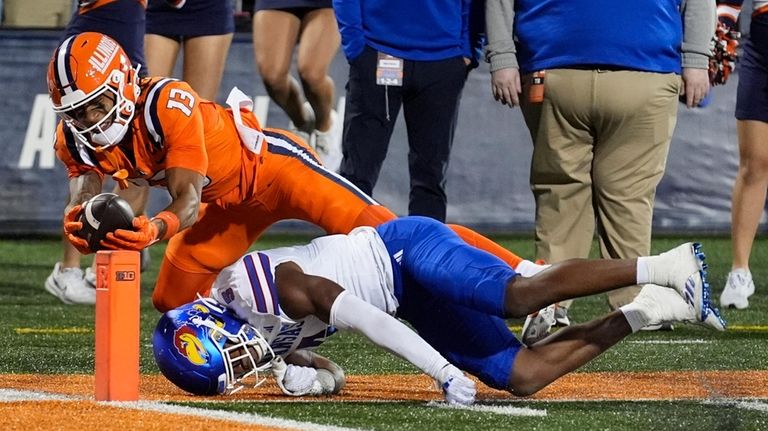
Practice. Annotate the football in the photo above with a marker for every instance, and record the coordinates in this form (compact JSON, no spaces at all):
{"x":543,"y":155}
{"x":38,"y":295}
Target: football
{"x":102,"y":214}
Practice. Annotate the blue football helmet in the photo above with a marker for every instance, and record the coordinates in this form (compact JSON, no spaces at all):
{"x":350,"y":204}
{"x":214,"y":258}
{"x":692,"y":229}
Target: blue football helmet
{"x":203,"y":348}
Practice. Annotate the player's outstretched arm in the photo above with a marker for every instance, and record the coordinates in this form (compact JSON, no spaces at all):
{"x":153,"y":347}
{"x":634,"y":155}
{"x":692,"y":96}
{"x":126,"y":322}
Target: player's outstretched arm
{"x":185,"y":188}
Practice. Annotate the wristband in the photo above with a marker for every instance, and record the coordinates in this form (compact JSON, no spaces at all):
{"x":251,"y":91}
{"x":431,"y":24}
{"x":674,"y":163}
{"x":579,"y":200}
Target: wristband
{"x":171,"y":223}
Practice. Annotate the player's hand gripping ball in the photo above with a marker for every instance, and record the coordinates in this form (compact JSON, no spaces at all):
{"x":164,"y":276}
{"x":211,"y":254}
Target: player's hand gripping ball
{"x":102,"y":214}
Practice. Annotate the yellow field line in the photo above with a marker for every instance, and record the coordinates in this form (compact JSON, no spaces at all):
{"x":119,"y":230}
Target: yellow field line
{"x":73,"y":330}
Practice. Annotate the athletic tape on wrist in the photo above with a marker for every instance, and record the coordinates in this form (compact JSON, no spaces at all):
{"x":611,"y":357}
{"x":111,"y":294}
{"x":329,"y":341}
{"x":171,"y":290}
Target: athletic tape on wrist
{"x":171,"y":223}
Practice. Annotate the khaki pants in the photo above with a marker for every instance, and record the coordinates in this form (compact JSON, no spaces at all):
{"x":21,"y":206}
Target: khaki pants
{"x":601,"y":140}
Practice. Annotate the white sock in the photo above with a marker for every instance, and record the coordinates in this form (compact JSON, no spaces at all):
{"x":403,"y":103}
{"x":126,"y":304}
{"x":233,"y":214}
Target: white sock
{"x":643,"y":270}
{"x":635,"y":316}
{"x":647,"y":270}
{"x":526,"y":268}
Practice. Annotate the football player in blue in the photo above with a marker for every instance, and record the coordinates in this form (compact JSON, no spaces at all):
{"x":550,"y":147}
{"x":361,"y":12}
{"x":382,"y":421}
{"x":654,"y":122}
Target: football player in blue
{"x":273,"y":305}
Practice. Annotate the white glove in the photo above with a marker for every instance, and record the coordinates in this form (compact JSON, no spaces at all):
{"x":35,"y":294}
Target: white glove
{"x":457,"y":388}
{"x":295,"y":380}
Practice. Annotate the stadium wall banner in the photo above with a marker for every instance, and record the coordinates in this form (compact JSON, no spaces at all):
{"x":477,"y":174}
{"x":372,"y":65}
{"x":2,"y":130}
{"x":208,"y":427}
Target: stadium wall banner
{"x":487,"y":179}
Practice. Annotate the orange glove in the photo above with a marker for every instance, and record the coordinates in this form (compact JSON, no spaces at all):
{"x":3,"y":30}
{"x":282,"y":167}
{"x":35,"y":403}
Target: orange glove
{"x":72,"y":226}
{"x":144,"y":234}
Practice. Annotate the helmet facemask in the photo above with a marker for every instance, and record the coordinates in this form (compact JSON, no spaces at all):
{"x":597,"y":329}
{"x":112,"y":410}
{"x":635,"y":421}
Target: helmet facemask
{"x":245,"y":353}
{"x":114,"y":125}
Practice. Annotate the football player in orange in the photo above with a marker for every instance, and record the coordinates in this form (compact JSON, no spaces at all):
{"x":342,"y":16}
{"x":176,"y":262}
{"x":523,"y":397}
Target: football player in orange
{"x":228,"y":178}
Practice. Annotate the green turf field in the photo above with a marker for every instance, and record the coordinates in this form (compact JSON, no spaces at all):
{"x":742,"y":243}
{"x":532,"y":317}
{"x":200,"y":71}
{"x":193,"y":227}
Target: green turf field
{"x":42,"y":335}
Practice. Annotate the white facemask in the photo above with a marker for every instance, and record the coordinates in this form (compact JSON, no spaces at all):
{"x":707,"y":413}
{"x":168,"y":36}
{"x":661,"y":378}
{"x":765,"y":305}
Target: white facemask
{"x":114,"y":134}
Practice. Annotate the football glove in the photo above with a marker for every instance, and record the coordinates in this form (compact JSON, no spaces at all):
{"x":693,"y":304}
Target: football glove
{"x":72,"y":225}
{"x":295,"y":380}
{"x":144,"y":234}
{"x":457,"y":388}
{"x":723,"y":45}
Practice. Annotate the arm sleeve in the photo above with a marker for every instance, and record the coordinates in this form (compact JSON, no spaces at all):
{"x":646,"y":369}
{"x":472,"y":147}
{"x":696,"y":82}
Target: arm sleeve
{"x":698,"y":30}
{"x":352,"y":313}
{"x":499,"y":20}
{"x":349,"y":15}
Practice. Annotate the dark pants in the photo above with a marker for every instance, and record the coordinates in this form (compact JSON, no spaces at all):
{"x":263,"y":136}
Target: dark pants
{"x":430,"y":98}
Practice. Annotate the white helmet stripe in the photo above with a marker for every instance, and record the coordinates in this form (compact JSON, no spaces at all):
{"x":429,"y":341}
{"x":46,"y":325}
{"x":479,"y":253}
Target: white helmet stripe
{"x":149,"y":104}
{"x":62,"y":66}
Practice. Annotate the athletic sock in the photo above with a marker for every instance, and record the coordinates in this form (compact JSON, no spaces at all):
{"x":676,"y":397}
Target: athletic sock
{"x":635,"y":315}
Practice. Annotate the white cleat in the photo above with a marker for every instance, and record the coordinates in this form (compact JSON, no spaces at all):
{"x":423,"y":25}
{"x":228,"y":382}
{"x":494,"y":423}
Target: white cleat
{"x":538,"y":325}
{"x":738,"y":288}
{"x":561,"y":316}
{"x":328,"y":144}
{"x":69,"y":286}
{"x":683,"y":269}
{"x":305,"y":132}
{"x":90,"y":277}
{"x":663,"y":305}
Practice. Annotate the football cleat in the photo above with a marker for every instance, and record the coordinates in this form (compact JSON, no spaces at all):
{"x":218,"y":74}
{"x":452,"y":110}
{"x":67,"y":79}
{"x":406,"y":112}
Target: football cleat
{"x":90,"y":277}
{"x":561,"y":316}
{"x":328,"y":144}
{"x":684,"y":269}
{"x":662,"y":306}
{"x":69,"y":285}
{"x":666,"y":326}
{"x":537,"y":326}
{"x":305,"y":132}
{"x":738,"y":288}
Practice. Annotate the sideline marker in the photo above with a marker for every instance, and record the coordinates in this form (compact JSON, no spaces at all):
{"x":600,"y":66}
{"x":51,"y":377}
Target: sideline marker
{"x":117,"y":325}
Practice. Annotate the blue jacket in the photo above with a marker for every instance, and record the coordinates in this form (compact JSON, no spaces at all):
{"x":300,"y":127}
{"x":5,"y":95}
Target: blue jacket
{"x":420,"y":30}
{"x":638,"y":35}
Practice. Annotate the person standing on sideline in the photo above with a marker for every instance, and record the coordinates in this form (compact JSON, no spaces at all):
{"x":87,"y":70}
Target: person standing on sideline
{"x":749,"y":190}
{"x":396,"y":59}
{"x":202,"y":28}
{"x":601,"y":109}
{"x":124,"y":21}
{"x":278,"y":27}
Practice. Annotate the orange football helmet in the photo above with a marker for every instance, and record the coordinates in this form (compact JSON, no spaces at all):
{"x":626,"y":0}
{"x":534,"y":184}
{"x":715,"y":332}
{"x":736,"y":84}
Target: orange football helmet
{"x":88,"y":70}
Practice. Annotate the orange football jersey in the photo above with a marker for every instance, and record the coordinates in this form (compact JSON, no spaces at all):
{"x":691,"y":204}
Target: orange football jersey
{"x":172,"y":128}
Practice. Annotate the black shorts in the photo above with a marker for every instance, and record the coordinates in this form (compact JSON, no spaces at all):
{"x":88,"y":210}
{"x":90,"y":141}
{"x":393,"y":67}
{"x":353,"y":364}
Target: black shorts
{"x":122,"y":20}
{"x":295,"y":7}
{"x":752,"y":92}
{"x":195,"y":18}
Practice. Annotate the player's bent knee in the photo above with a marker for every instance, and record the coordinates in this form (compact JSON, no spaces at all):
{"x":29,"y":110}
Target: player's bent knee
{"x":522,"y":390}
{"x":176,"y":287}
{"x":516,"y":303}
{"x":374,"y":215}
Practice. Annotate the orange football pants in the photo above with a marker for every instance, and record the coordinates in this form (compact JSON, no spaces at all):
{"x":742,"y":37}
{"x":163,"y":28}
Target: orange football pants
{"x":290,"y":184}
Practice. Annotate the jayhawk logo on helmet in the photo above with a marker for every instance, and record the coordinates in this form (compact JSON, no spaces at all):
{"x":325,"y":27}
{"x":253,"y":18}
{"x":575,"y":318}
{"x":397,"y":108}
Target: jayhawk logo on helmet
{"x":91,"y":68}
{"x":186,"y":342}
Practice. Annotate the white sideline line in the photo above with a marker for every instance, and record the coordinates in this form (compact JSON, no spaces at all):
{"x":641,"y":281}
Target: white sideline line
{"x":742,"y":404}
{"x":695,"y":341}
{"x":499,"y":410}
{"x":243,"y":418}
{"x":14,"y":395}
